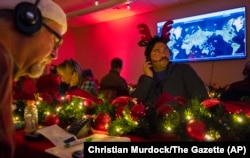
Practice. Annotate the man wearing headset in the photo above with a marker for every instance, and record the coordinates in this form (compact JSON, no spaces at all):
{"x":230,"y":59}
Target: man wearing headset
{"x":162,"y":76}
{"x":31,"y":32}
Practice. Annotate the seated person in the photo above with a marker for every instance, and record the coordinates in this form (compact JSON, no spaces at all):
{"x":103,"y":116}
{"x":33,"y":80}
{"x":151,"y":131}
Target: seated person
{"x":70,"y":72}
{"x":113,"y":81}
{"x":89,"y":83}
{"x":237,"y":90}
{"x":163,"y":77}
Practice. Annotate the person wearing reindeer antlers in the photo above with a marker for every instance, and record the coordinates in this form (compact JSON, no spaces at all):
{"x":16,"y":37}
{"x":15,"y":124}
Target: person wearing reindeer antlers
{"x":161,"y":76}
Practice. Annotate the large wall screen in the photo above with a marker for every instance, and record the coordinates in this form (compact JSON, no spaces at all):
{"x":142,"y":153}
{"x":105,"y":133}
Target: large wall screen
{"x":213,"y":36}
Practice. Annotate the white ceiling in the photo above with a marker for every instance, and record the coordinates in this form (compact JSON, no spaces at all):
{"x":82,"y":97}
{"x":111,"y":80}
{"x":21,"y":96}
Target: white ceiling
{"x":84,"y":12}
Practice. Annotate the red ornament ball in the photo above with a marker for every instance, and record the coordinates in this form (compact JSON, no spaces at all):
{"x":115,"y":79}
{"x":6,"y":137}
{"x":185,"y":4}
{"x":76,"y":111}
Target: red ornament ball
{"x":102,"y":121}
{"x":51,"y":120}
{"x":137,"y":110}
{"x":196,"y":129}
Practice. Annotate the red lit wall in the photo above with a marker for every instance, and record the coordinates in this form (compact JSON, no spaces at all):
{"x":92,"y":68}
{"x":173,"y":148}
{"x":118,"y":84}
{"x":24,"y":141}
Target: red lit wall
{"x":95,"y":45}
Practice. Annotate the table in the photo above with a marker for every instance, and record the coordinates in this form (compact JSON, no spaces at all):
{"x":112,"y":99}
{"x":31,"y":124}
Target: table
{"x":35,"y":149}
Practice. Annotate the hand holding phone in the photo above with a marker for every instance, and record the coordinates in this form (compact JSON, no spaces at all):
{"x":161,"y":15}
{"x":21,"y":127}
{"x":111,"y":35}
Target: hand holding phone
{"x":149,"y":60}
{"x":148,"y":68}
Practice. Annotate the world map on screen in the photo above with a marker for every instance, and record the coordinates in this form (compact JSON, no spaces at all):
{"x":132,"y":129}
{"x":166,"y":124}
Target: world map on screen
{"x":209,"y":38}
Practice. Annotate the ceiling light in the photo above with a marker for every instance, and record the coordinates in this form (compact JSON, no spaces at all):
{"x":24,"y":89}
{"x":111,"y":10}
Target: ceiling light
{"x":96,"y":3}
{"x":99,"y":7}
{"x":128,"y":6}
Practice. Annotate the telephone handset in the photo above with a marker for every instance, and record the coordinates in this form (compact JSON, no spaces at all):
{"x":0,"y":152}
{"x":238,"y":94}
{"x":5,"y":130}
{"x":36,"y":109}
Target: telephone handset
{"x":81,"y":127}
{"x":148,"y":59}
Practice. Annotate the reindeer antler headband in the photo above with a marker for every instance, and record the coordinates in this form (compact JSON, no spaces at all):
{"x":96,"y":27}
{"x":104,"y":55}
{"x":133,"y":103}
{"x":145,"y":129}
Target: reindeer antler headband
{"x":146,"y":35}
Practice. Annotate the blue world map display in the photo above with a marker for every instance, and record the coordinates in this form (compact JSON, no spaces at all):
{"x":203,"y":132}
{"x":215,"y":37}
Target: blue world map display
{"x":213,"y":36}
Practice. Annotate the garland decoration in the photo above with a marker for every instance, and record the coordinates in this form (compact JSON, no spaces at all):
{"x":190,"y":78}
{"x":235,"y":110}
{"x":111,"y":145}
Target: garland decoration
{"x":171,"y":118}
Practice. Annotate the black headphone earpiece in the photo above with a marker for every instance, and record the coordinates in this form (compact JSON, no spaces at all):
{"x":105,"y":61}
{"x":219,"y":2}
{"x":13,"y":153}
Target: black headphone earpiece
{"x":27,"y":18}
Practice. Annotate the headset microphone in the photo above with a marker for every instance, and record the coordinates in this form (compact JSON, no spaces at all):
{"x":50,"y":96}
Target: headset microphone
{"x":27,"y":17}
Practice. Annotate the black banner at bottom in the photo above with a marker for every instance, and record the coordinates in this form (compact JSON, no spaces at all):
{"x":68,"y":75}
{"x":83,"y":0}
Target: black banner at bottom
{"x":165,"y":149}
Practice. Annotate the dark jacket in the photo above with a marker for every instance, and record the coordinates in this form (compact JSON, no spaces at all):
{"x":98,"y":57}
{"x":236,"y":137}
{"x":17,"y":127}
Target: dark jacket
{"x":114,"y":81}
{"x":7,"y":143}
{"x":237,"y":90}
{"x":179,"y":80}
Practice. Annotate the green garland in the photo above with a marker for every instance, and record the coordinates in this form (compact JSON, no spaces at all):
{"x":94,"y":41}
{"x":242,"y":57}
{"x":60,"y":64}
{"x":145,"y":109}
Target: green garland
{"x":72,"y":110}
{"x":219,"y":124}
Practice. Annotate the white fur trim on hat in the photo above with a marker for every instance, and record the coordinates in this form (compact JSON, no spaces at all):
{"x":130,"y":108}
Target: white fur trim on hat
{"x":48,"y":8}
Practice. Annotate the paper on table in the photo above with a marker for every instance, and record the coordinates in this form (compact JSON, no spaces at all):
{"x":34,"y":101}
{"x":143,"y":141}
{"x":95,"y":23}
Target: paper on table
{"x":56,"y":134}
{"x":66,"y":152}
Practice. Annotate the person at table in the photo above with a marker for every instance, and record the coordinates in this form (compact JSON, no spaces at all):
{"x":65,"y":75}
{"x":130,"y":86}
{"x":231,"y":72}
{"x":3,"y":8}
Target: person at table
{"x":236,"y":91}
{"x":114,"y":81}
{"x":89,"y":83}
{"x":30,"y":36}
{"x":162,"y":76}
{"x":70,"y":72}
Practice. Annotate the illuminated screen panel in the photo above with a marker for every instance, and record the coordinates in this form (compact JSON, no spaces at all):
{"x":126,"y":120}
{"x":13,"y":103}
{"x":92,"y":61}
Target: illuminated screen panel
{"x":213,"y":36}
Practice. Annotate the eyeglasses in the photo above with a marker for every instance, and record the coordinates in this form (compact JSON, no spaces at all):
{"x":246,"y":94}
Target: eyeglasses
{"x":59,"y":40}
